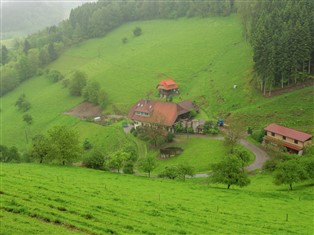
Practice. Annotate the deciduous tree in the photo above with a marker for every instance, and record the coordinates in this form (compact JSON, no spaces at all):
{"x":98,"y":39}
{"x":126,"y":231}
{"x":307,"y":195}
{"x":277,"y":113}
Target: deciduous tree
{"x":137,"y":31}
{"x":22,"y":104}
{"x":185,"y":169}
{"x":9,"y":154}
{"x":91,"y":92}
{"x":232,"y":138}
{"x":41,"y":149}
{"x":229,"y":172}
{"x":117,"y":159}
{"x":65,"y":145}
{"x":289,"y":172}
{"x":77,"y":83}
{"x":148,"y":164}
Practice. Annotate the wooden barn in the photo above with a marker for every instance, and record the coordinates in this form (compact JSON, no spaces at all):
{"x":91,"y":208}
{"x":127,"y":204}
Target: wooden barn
{"x":293,"y":140}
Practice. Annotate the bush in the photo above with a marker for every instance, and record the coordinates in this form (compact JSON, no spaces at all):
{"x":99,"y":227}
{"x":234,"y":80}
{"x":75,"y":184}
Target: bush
{"x":210,"y":128}
{"x":258,"y":136}
{"x":193,"y":114}
{"x":190,"y":130}
{"x":134,"y":132}
{"x":170,"y":172}
{"x":94,"y":160}
{"x":137,"y":31}
{"x":26,"y":157}
{"x":250,"y":130}
{"x":22,"y":104}
{"x":270,"y":165}
{"x":169,"y":137}
{"x":179,"y":128}
{"x":87,"y":145}
{"x":54,"y":76}
{"x":124,"y":40}
{"x":128,"y":167}
{"x":9,"y":154}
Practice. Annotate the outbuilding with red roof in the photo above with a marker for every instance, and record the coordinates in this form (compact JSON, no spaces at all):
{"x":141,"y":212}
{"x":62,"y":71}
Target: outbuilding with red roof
{"x":167,"y":87}
{"x":293,"y":140}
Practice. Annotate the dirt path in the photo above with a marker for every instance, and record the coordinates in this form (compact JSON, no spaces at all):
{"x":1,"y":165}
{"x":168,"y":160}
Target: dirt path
{"x":289,"y":88}
{"x":260,"y":155}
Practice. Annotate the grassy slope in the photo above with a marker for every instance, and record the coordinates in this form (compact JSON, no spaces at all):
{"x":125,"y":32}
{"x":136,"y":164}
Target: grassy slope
{"x":66,"y":200}
{"x":49,"y":101}
{"x":205,"y":56}
{"x":182,"y":49}
{"x":294,"y":109}
{"x":198,"y":153}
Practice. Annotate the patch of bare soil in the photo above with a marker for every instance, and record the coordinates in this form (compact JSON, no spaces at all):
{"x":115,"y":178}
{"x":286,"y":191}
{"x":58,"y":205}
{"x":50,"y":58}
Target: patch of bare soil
{"x":85,"y":110}
{"x":289,"y":88}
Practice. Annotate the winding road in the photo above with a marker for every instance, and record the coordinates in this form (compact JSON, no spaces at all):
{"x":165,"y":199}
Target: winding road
{"x":260,"y":155}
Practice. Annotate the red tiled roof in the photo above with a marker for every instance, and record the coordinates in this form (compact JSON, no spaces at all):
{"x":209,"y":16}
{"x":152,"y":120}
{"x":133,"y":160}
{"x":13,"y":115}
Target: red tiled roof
{"x":164,"y":113}
{"x":291,"y":133}
{"x":168,"y":84}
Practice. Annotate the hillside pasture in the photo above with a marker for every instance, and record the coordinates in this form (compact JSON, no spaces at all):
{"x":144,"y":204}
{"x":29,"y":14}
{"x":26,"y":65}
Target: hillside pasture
{"x":71,"y":200}
{"x":293,"y":109}
{"x":197,"y":152}
{"x":49,"y":101}
{"x":206,"y":57}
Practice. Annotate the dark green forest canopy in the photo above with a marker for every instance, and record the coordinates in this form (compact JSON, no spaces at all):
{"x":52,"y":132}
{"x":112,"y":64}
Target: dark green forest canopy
{"x":282,"y":36}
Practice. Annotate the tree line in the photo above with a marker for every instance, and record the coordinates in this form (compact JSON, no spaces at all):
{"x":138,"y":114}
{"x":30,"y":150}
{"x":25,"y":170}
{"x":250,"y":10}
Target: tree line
{"x":281,"y":33}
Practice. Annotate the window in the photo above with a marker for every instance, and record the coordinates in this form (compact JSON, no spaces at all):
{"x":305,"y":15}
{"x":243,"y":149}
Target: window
{"x":141,"y":113}
{"x":296,"y":142}
{"x":284,"y":137}
{"x":272,"y":134}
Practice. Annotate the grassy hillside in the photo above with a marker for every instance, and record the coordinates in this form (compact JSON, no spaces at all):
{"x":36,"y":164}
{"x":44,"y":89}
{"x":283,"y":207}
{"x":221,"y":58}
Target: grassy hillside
{"x":69,"y":200}
{"x":49,"y":102}
{"x":294,"y":109}
{"x":205,"y":56}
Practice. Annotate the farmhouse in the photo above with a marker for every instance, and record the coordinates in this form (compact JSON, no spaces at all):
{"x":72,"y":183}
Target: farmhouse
{"x":152,"y":112}
{"x":167,"y":87}
{"x":293,"y":140}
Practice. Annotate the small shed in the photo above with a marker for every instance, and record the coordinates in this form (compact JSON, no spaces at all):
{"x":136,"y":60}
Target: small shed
{"x":167,"y":87}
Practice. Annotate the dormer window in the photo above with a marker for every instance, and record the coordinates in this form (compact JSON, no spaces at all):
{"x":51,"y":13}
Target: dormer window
{"x":142,"y":113}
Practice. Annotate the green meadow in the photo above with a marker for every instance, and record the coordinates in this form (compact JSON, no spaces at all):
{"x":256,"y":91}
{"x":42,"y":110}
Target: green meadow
{"x":198,"y":153}
{"x":46,"y":199}
{"x":293,"y":109}
{"x":206,"y":57}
